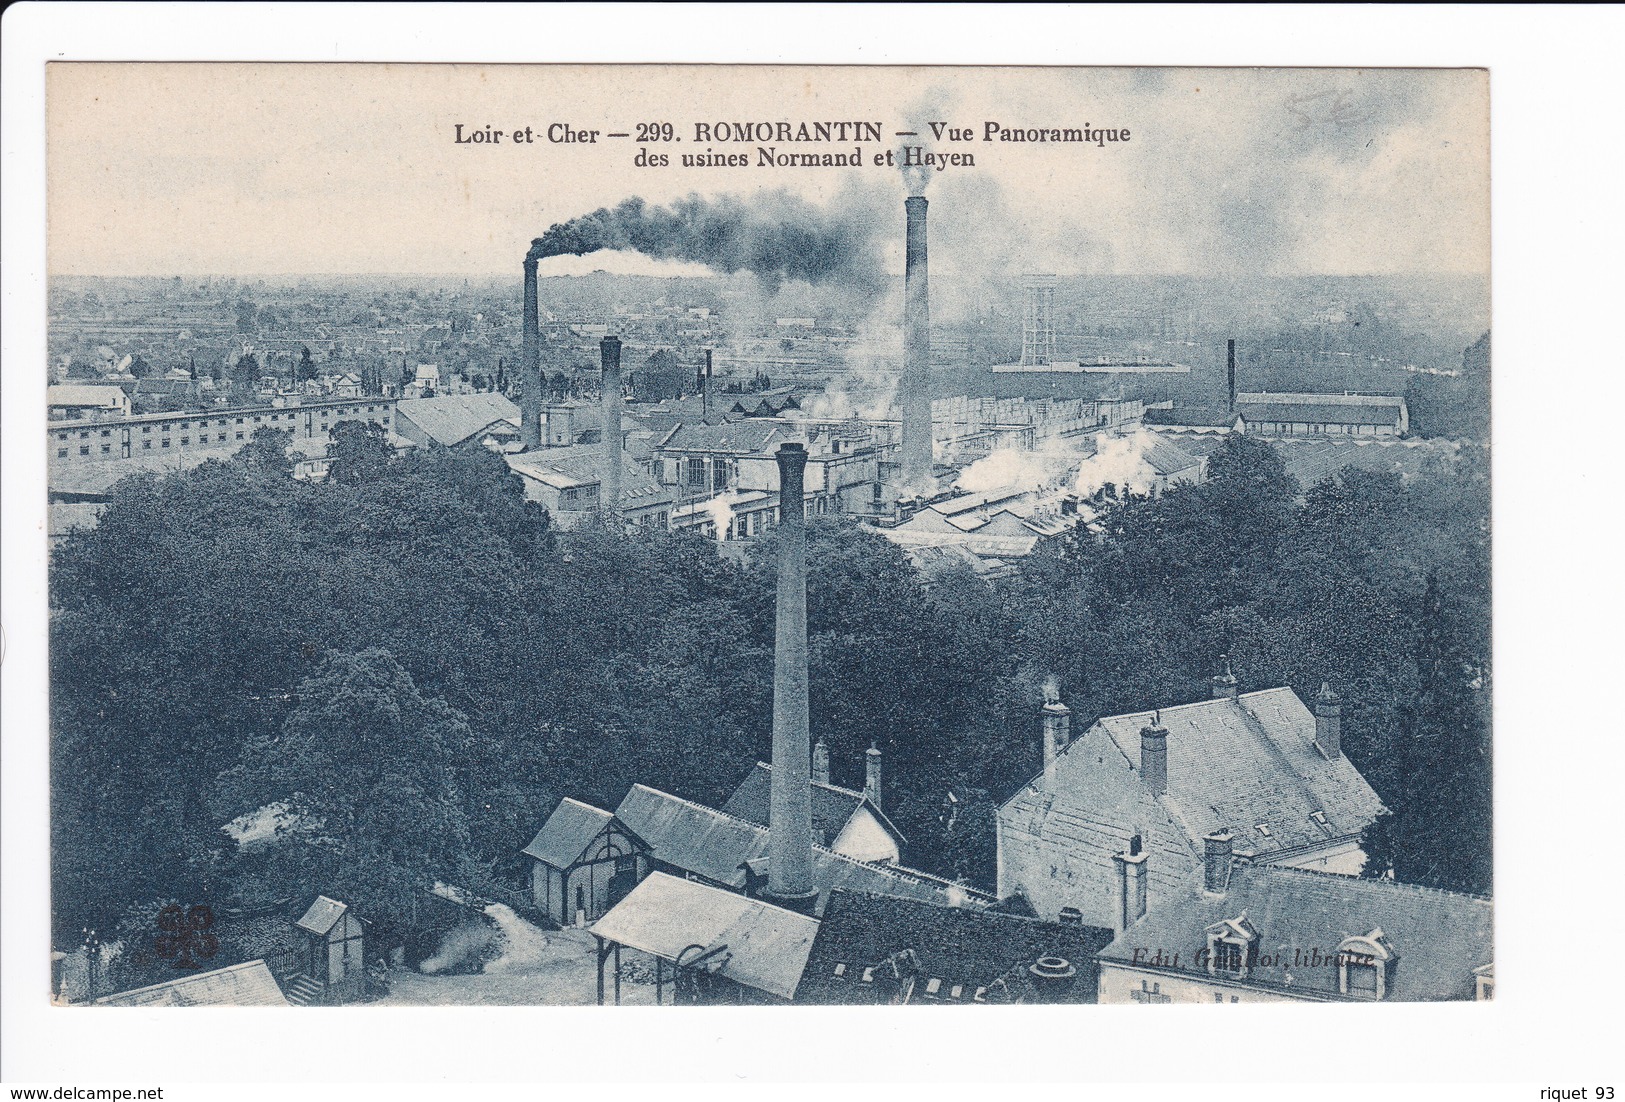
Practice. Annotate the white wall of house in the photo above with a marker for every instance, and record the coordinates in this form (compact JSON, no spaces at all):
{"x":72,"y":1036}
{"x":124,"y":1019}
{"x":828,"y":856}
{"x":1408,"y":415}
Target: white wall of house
{"x":1126,"y":984}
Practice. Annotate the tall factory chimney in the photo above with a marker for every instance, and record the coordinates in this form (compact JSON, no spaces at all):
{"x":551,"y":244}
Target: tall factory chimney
{"x":530,"y":430}
{"x":609,"y":494}
{"x":789,"y":846}
{"x":916,"y":396}
{"x":1231,"y":373}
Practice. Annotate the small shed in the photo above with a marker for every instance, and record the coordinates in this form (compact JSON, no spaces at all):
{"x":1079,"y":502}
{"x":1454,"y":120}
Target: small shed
{"x":329,"y":946}
{"x":584,"y":861}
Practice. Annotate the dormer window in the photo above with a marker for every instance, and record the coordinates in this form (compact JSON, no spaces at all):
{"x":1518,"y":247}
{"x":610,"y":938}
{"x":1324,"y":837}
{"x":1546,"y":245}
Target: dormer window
{"x":1366,"y":966}
{"x":1263,"y":828}
{"x":1232,"y":946}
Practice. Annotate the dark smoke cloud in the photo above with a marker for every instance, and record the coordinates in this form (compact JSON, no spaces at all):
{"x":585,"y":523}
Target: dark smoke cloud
{"x":776,"y":236}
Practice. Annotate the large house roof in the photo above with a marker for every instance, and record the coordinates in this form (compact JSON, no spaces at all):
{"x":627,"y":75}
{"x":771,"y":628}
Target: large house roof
{"x":1247,"y":763}
{"x":964,"y":951}
{"x":1440,"y":937}
{"x":450,"y":419}
{"x":832,"y":807}
{"x":1313,"y":459}
{"x":745,"y":940}
{"x":568,"y":831}
{"x":721,"y":848}
{"x":1232,"y":764}
{"x":1192,"y":416}
{"x":247,"y":984}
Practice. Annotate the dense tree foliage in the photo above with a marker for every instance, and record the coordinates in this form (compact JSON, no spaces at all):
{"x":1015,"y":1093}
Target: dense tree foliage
{"x":414,"y":658}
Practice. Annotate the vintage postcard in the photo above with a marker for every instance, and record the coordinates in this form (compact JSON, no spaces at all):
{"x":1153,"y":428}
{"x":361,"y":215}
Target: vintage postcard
{"x":568,"y":535}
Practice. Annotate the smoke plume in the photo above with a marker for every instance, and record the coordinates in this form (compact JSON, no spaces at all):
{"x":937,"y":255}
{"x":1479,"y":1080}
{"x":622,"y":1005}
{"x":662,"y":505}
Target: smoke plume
{"x":1119,"y":461}
{"x":777,"y":236}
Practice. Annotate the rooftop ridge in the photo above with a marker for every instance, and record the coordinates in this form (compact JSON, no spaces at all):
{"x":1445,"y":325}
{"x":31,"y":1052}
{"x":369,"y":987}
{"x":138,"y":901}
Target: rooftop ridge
{"x":897,"y":871}
{"x":1372,"y":882}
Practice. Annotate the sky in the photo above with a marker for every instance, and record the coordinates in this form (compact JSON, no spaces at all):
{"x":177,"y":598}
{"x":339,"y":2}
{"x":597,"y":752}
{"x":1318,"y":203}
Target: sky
{"x":270,"y":169}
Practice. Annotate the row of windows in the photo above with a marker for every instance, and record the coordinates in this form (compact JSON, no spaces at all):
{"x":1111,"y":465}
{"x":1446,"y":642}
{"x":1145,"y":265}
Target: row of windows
{"x":291,"y":416}
{"x":202,"y":439}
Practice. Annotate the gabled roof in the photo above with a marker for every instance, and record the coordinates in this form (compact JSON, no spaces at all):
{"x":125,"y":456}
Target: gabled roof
{"x":733,"y":437}
{"x":453,"y":418}
{"x":1232,"y":764}
{"x":322,"y":916}
{"x":745,"y":940}
{"x":832,"y":807}
{"x":247,"y":984}
{"x":959,"y":947}
{"x":564,"y":838}
{"x":1167,"y":458}
{"x":1238,"y":764}
{"x":583,"y":465}
{"x":76,"y":394}
{"x":1440,"y":937}
{"x":718,"y":846}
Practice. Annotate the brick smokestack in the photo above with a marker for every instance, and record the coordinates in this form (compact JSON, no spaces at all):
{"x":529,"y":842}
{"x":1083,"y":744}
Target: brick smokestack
{"x":1154,"y":756}
{"x":1230,"y":373}
{"x":1057,"y":721}
{"x":789,"y":852}
{"x":1216,"y":849}
{"x":1328,"y":722}
{"x":530,"y":431}
{"x":1131,"y":886}
{"x":872,"y":776}
{"x":1224,"y":682}
{"x":820,"y":762}
{"x":609,"y":493}
{"x":916,"y":389}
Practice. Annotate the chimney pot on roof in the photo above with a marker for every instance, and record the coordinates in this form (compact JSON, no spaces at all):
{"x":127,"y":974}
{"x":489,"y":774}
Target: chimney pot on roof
{"x":1154,"y":757}
{"x":871,"y":775}
{"x":1131,"y":887}
{"x":1328,"y":722}
{"x":1216,"y":850}
{"x":820,"y":761}
{"x":1224,"y":682}
{"x":1057,"y":721}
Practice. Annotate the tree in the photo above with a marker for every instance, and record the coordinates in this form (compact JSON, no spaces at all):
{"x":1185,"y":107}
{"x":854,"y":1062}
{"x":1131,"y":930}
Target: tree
{"x":368,"y":769}
{"x":661,"y":377}
{"x":266,"y":452}
{"x":245,"y":377}
{"x":247,"y":316}
{"x":359,"y":451}
{"x":307,"y":367}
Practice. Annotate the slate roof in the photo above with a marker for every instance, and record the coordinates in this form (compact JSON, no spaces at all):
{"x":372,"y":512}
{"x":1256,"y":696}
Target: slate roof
{"x":567,"y":833}
{"x":1331,"y":409}
{"x":967,"y":949}
{"x":453,"y":418}
{"x":1315,"y":459}
{"x":322,"y":916}
{"x":247,"y":984}
{"x":1167,"y":458}
{"x":1231,"y":764}
{"x":734,"y":437}
{"x":1440,"y":937}
{"x":750,"y":942}
{"x":583,"y":465}
{"x":99,"y":478}
{"x":1193,"y":416}
{"x":718,"y":846}
{"x":1239,"y":763}
{"x":832,"y":807}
